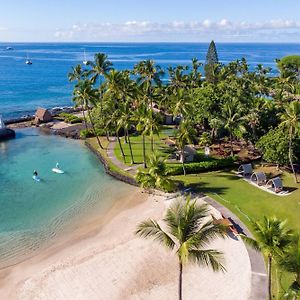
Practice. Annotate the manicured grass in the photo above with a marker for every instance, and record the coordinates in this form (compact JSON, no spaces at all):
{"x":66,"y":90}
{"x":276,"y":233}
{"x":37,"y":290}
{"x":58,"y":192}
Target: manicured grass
{"x":246,"y":200}
{"x":137,"y":148}
{"x":250,"y":202}
{"x":104,"y":142}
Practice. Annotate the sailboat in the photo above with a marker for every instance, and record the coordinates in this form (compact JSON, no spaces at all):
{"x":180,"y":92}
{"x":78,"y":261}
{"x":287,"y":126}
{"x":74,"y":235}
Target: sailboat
{"x":28,"y":61}
{"x":85,"y":62}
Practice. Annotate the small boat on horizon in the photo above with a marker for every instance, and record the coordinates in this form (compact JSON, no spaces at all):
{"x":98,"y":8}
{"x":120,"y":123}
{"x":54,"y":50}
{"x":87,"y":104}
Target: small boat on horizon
{"x":85,"y":61}
{"x":28,"y":61}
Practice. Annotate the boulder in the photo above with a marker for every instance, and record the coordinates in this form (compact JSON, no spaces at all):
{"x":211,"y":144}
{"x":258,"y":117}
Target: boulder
{"x":6,"y":133}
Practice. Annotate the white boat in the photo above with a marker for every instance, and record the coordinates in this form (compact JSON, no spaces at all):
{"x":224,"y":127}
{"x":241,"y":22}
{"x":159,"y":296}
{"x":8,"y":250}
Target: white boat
{"x":28,"y":61}
{"x":85,"y":61}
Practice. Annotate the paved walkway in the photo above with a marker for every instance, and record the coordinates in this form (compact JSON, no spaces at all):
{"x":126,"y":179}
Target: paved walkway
{"x":258,"y":269}
{"x":111,"y":155}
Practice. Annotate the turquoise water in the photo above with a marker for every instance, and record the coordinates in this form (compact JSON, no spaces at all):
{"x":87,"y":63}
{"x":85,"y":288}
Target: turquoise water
{"x":33,"y":213}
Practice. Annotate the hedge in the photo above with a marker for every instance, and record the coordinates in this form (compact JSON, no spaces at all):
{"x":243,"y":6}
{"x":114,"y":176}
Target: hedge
{"x":203,"y":166}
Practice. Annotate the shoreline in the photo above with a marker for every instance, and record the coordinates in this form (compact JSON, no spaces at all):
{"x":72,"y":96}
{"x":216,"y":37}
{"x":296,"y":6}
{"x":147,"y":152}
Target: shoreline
{"x":106,"y":258}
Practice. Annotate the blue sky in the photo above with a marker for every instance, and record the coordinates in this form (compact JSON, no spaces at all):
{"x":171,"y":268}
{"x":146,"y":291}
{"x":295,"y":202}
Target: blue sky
{"x":151,"y":20}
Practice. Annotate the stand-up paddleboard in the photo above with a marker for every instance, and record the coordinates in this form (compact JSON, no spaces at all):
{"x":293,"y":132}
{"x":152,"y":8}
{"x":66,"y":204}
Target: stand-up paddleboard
{"x":58,"y":171}
{"x":36,"y":178}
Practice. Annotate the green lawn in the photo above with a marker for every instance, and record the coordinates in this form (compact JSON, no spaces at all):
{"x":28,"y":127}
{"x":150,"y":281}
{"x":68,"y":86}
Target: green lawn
{"x":246,"y":200}
{"x":104,"y":142}
{"x":249,"y":202}
{"x":137,"y":148}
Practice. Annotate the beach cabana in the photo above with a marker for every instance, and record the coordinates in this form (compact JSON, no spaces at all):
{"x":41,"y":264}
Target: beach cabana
{"x":259,"y":178}
{"x":42,"y":115}
{"x":275,"y":184}
{"x":245,"y":169}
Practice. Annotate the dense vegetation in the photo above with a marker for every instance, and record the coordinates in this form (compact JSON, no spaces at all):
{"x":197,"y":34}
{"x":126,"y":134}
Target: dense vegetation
{"x":233,"y":106}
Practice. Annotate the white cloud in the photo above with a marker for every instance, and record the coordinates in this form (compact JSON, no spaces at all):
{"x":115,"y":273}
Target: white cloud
{"x":178,"y":30}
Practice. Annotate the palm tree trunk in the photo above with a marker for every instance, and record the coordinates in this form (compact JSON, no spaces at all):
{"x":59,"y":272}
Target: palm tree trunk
{"x":107,"y":135}
{"x":182,"y":161}
{"x":152,"y":143}
{"x":84,"y":118}
{"x":129,"y":143}
{"x":120,"y":145}
{"x":291,"y":157}
{"x":93,"y":127}
{"x":180,"y":282}
{"x":231,"y":144}
{"x":144,"y":152}
{"x":270,"y":277}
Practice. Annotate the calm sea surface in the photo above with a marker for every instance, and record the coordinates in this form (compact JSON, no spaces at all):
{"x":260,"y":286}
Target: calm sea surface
{"x":44,"y":83}
{"x":33,"y":214}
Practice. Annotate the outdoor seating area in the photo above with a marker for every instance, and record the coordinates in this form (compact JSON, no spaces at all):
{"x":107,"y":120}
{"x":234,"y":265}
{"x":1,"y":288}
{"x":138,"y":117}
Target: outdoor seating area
{"x":259,"y":179}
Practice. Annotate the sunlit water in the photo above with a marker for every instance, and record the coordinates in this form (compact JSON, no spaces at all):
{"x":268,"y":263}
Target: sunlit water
{"x":44,"y":83}
{"x":33,"y":213}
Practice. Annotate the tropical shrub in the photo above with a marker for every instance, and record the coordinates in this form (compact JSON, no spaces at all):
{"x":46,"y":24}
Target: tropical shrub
{"x":86,"y":133}
{"x":203,"y":166}
{"x":69,"y":118}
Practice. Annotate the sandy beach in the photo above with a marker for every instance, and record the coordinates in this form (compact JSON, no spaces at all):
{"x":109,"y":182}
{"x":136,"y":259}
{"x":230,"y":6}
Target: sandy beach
{"x":105,"y":260}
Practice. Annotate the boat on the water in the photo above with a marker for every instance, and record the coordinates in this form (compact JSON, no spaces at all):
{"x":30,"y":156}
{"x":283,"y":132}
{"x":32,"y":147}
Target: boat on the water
{"x":85,"y":61}
{"x":57,"y":169}
{"x":9,"y":48}
{"x":28,"y":61}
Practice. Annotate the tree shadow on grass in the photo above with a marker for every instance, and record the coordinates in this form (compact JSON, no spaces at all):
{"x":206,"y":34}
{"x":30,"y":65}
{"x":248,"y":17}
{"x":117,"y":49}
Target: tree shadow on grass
{"x":204,"y":188}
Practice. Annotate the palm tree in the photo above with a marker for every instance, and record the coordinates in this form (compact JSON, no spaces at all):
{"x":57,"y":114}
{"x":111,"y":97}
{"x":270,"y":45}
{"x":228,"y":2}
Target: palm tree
{"x":140,"y":116}
{"x":189,"y":233}
{"x":125,"y":121}
{"x":99,"y":68}
{"x":76,"y":74}
{"x":85,"y":94}
{"x":290,"y":119}
{"x":182,"y":103}
{"x":232,"y":120}
{"x":290,"y":262}
{"x":156,"y":175}
{"x":184,"y":136}
{"x":272,"y":237}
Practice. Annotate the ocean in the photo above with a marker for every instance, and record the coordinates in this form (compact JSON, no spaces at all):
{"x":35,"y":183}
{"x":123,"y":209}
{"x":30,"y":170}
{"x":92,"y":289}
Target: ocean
{"x":23,"y":87}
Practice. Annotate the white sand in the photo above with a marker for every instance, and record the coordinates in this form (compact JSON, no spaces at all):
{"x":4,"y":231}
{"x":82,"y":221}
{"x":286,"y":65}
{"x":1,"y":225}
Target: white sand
{"x":113,"y":263}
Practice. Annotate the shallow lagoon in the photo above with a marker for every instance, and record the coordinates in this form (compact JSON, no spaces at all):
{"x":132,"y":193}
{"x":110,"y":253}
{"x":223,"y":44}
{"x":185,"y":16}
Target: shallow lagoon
{"x":33,"y":213}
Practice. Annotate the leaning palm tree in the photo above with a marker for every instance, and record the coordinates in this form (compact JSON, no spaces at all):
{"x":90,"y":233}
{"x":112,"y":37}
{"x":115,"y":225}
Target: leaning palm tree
{"x":272,"y":237}
{"x":290,"y":119}
{"x":290,"y":262}
{"x":85,"y":94}
{"x":185,"y":135}
{"x":189,"y":233}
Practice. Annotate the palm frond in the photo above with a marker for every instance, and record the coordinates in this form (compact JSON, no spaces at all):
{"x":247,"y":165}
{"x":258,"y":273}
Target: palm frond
{"x":209,"y":258}
{"x":151,"y":229}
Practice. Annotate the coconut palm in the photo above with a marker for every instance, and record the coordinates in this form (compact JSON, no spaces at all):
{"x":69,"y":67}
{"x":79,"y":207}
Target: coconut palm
{"x":290,"y":119}
{"x":272,"y":237}
{"x":181,"y":103}
{"x":125,"y":121}
{"x":76,"y":74}
{"x":156,"y":174}
{"x":189,"y":234}
{"x":290,"y":262}
{"x":185,"y":135}
{"x":86,"y":95}
{"x":141,"y":116}
{"x":232,"y":120}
